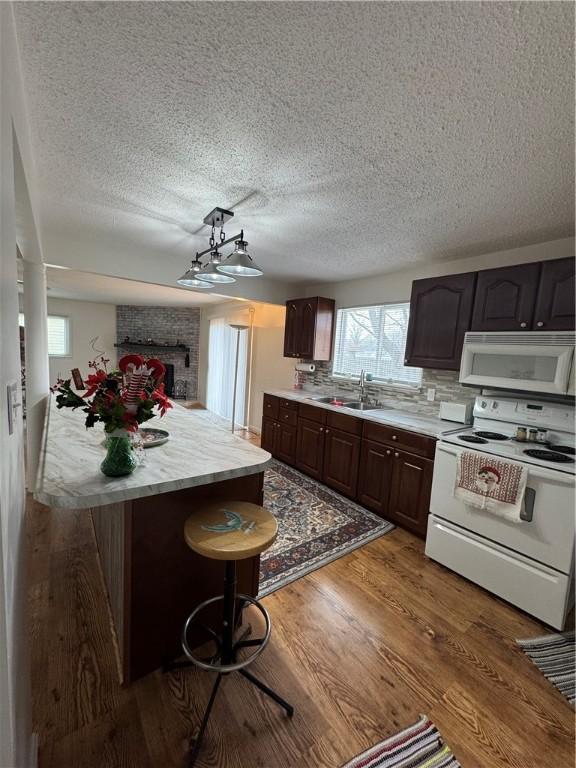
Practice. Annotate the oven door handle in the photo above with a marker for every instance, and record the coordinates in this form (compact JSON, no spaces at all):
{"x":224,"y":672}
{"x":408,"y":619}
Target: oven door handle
{"x":535,"y":471}
{"x":527,"y":513}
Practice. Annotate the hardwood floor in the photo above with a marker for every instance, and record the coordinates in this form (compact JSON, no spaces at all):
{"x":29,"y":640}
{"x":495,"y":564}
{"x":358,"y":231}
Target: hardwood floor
{"x":361,"y":647}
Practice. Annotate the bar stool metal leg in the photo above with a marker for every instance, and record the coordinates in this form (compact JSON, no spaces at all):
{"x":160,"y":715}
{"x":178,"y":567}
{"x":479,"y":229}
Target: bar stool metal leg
{"x":228,"y":651}
{"x":229,"y":611}
{"x":268,"y":691}
{"x":198,"y":741}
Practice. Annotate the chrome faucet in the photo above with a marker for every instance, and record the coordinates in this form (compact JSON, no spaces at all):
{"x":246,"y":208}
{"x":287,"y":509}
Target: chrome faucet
{"x":361,"y":384}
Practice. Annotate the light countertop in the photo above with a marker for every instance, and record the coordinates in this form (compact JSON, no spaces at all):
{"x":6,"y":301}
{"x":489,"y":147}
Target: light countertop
{"x":413,"y":422}
{"x":200,"y":451}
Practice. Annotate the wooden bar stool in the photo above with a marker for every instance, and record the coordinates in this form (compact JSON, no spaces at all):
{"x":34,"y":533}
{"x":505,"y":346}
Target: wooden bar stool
{"x":230,"y":531}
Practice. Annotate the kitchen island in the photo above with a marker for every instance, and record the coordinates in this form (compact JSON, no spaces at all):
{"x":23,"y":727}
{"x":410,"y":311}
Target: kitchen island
{"x":153,"y":579}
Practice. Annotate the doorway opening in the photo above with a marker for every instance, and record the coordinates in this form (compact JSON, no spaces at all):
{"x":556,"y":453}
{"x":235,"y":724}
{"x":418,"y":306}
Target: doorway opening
{"x":222,"y":345}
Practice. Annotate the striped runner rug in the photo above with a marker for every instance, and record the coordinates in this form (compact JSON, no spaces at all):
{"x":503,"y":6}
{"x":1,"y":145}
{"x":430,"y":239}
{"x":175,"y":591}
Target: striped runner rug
{"x":419,"y":746}
{"x":554,"y":656}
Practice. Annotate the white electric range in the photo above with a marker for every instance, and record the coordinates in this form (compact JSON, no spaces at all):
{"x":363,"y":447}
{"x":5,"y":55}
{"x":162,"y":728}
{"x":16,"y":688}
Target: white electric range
{"x":529,"y":563}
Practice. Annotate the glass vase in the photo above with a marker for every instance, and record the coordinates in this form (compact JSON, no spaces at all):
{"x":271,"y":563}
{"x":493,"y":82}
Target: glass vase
{"x":120,"y":458}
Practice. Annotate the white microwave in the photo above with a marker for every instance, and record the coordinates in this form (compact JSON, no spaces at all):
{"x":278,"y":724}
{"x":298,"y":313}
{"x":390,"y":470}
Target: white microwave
{"x":531,"y":361}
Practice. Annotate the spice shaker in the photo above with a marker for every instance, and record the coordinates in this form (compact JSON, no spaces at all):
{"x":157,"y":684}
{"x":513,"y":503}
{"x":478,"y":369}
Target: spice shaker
{"x":533,"y":434}
{"x":542,"y":436}
{"x":521,"y":434}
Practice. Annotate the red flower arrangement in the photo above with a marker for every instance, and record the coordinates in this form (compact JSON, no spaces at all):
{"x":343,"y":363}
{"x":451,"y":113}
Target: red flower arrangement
{"x":120,"y":399}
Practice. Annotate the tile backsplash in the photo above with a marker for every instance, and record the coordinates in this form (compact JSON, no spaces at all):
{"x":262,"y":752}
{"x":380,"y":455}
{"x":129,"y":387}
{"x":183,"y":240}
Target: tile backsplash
{"x":444,"y":382}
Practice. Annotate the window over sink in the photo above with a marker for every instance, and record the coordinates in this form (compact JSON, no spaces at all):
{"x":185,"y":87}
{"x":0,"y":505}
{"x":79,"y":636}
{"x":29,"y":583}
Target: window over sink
{"x":373,"y":339}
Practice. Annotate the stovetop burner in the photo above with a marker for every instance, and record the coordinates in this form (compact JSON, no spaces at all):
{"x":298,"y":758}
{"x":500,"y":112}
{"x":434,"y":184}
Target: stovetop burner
{"x":568,"y":449}
{"x":558,"y":458}
{"x":491,"y":435}
{"x":472,"y":439}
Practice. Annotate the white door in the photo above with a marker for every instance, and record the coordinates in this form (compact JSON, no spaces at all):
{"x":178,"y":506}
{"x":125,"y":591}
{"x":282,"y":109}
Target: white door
{"x":221,"y":364}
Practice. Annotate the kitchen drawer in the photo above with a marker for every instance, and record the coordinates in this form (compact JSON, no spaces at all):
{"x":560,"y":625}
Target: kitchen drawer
{"x":312,"y":413}
{"x":345,"y":423}
{"x":270,"y":407}
{"x":400,"y":438}
{"x":291,"y":405}
{"x":526,"y":583}
{"x":286,"y":415}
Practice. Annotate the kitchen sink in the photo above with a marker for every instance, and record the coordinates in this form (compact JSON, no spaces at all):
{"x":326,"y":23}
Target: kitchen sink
{"x":327,"y":399}
{"x":356,"y":405}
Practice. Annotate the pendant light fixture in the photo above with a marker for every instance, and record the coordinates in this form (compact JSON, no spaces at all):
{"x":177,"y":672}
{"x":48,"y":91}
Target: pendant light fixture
{"x":217,"y":272}
{"x":190,"y":278}
{"x":210,"y":274}
{"x":240,"y":263}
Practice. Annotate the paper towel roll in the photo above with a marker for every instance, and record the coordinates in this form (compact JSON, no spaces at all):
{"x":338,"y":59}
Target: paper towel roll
{"x":306,"y":367}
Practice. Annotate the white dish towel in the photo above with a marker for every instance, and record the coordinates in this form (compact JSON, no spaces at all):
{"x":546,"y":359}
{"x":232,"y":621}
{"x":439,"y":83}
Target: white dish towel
{"x":492,"y":484}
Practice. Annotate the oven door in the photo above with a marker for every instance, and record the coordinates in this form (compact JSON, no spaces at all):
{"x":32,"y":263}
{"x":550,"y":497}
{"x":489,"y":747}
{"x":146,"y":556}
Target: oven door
{"x":522,"y":366}
{"x":549,"y":535}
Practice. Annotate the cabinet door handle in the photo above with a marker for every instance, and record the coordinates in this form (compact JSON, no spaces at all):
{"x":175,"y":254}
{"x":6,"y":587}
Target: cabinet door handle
{"x":396,"y":455}
{"x":522,"y":325}
{"x":539,"y":324}
{"x":327,"y":431}
{"x":321,"y":429}
{"x":394,"y":437}
{"x":388,"y":453}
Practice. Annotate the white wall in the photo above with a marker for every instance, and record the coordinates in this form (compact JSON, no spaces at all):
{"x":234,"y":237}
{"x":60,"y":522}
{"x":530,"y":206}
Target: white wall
{"x":87,"y":320}
{"x":270,"y":369}
{"x":15,"y":718}
{"x":396,"y":286}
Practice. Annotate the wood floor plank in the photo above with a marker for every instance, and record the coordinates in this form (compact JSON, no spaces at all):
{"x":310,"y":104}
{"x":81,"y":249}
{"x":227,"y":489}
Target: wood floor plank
{"x":360,"y":647}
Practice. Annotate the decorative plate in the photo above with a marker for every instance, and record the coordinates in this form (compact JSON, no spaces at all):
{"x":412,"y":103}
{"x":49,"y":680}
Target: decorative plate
{"x":152,"y":437}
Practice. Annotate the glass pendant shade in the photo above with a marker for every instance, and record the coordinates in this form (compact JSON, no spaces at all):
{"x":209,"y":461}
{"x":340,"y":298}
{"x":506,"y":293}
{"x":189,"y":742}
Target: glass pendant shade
{"x":210,"y":273}
{"x":239,"y":263}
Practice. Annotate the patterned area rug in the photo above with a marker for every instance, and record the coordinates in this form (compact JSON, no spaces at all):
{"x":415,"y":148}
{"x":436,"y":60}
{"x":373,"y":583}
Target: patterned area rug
{"x":420,"y":746}
{"x":316,"y":525}
{"x":554,"y":656}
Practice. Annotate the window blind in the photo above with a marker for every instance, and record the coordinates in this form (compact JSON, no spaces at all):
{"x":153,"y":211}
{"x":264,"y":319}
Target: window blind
{"x":58,"y":336}
{"x":374,"y":339}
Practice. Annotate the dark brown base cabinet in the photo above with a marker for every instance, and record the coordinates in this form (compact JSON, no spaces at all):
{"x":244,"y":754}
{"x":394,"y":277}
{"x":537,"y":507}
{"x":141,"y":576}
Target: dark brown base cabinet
{"x":409,"y":502}
{"x":396,"y":485}
{"x":387,"y":470}
{"x":310,"y":448}
{"x":279,"y":439}
{"x":341,"y":461}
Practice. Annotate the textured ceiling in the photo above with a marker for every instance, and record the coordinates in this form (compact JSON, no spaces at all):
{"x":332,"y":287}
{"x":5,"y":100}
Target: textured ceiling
{"x":353,"y":138}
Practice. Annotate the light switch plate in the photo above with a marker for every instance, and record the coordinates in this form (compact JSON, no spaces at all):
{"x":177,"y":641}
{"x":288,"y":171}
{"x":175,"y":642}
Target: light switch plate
{"x":13,"y":404}
{"x":431,"y":394}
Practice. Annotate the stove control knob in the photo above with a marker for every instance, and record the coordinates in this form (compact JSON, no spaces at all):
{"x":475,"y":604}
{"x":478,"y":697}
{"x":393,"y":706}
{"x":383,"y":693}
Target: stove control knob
{"x":483,"y":404}
{"x":494,"y":406}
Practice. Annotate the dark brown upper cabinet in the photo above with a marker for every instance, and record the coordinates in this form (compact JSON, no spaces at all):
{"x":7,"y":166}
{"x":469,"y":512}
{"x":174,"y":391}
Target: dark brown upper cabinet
{"x":440,"y":314}
{"x":555,"y":302}
{"x":505,"y":298}
{"x":309,"y":328}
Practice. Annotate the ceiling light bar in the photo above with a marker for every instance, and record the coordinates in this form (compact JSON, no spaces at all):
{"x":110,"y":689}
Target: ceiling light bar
{"x":238,"y":264}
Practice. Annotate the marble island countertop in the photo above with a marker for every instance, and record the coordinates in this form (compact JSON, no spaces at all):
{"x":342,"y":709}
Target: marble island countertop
{"x":200,"y":451}
{"x":395,"y":417}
